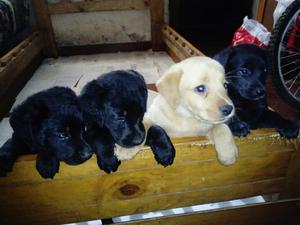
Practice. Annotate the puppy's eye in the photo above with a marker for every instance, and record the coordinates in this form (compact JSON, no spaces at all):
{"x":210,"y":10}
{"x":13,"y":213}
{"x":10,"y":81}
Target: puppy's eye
{"x":63,"y":135}
{"x":200,"y":89}
{"x":226,"y":85}
{"x":244,"y":71}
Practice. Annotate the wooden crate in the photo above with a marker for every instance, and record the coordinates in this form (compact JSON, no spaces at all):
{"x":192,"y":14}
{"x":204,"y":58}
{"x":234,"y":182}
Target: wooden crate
{"x":267,"y":164}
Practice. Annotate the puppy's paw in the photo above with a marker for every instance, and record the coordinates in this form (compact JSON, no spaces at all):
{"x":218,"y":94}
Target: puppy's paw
{"x":290,"y":131}
{"x":161,"y":145}
{"x":109,"y":164}
{"x":228,"y":157}
{"x":227,"y":160}
{"x":6,"y":164}
{"x":164,"y":157}
{"x":47,"y":168}
{"x":240,"y":129}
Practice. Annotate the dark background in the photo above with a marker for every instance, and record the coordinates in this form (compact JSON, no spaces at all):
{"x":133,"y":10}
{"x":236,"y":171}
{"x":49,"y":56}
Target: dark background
{"x":209,"y":25}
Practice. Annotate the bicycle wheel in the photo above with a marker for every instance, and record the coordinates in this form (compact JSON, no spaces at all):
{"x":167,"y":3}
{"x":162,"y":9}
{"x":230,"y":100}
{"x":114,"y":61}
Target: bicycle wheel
{"x":284,"y":52}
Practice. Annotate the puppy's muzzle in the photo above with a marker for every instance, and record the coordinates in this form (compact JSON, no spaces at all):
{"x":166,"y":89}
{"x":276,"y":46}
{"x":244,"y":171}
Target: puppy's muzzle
{"x":86,"y":153}
{"x":80,"y":156}
{"x":226,"y":109}
{"x":138,"y":140}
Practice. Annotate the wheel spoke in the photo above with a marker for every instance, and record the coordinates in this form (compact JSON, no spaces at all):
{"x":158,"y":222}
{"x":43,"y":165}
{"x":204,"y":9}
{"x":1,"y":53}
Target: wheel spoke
{"x":296,"y":92}
{"x":291,"y":55}
{"x":286,"y":48}
{"x":294,"y":80}
{"x":291,"y":71}
{"x":282,"y":66}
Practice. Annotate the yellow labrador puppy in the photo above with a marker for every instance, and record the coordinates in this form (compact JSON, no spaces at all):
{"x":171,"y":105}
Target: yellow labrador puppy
{"x":193,"y":101}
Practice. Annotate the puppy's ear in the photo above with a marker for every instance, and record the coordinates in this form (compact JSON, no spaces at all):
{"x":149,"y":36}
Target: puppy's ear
{"x":168,"y":85}
{"x":27,"y":122}
{"x":223,"y":56}
{"x":91,"y":100}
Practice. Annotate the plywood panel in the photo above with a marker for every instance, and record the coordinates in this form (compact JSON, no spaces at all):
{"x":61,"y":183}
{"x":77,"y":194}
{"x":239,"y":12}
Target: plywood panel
{"x":93,"y":6}
{"x":45,"y":27}
{"x":177,"y":46}
{"x":141,"y":185}
{"x":15,"y":62}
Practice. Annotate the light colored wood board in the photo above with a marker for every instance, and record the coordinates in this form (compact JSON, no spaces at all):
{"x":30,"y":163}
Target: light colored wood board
{"x":188,"y":150}
{"x":93,"y":6}
{"x":259,"y":141}
{"x":275,"y":213}
{"x":13,"y":53}
{"x":19,"y":63}
{"x":44,"y":25}
{"x":58,"y":213}
{"x":89,"y":189}
{"x":172,"y":54}
{"x":292,"y":189}
{"x":182,"y":184}
{"x":173,"y":51}
{"x":176,"y":41}
{"x":157,"y":21}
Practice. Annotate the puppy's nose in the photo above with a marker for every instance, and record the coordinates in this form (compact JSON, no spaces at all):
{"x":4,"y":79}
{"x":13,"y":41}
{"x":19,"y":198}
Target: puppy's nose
{"x":86,"y":153}
{"x":260,"y":92}
{"x":226,"y":109}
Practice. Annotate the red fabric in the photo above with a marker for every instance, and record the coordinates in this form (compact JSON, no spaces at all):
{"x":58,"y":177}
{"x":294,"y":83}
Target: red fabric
{"x":152,"y":87}
{"x":242,"y":36}
{"x":293,"y":43}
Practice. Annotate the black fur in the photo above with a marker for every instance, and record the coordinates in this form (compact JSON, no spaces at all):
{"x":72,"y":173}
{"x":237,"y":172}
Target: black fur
{"x":246,"y":71}
{"x":51,"y":124}
{"x":159,"y":142}
{"x":114,"y":106}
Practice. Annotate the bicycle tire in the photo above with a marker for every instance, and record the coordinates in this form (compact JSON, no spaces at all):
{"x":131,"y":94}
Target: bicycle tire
{"x":274,"y":53}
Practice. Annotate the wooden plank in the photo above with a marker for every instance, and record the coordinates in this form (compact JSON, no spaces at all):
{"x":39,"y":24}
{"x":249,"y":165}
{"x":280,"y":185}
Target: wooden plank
{"x":173,"y":51}
{"x":44,"y":25}
{"x":8,"y":99}
{"x":104,"y":48}
{"x":267,"y":20}
{"x":57,"y":215}
{"x":84,"y":192}
{"x":292,"y":189}
{"x":261,"y":10}
{"x":275,"y":213}
{"x":93,"y":6}
{"x":17,"y":60}
{"x":264,"y":142}
{"x":172,"y":54}
{"x":177,"y":46}
{"x":13,"y":53}
{"x":157,"y":21}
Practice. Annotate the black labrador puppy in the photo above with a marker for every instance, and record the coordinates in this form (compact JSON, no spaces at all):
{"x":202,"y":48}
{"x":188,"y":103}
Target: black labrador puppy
{"x":246,"y":72}
{"x":114,"y":105}
{"x":51,"y":124}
